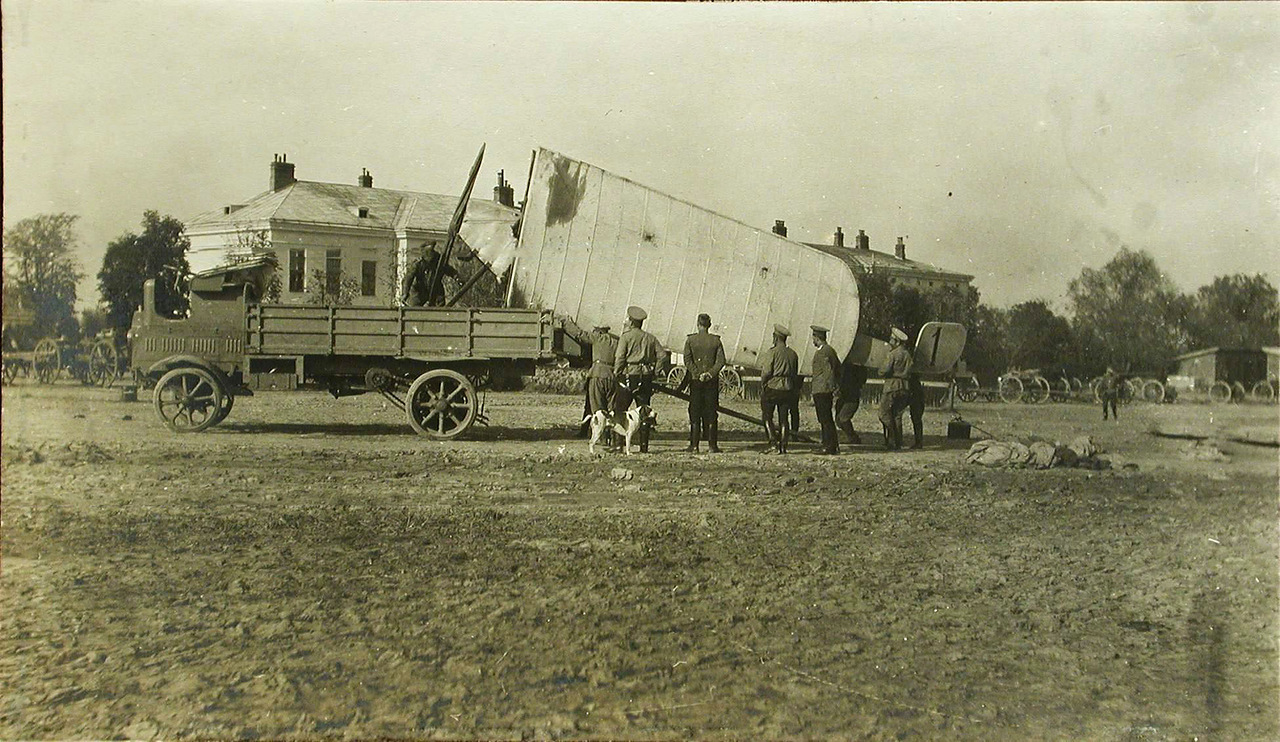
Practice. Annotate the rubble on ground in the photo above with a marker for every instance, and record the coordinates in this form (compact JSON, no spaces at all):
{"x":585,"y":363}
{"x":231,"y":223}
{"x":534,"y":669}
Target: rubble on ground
{"x":1080,"y":453}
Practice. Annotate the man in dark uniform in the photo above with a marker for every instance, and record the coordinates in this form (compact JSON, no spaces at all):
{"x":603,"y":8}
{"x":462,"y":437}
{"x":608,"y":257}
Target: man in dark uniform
{"x":418,"y":290}
{"x":1109,"y":393}
{"x":849,"y":398}
{"x":703,"y":359}
{"x":779,"y":379}
{"x":635,"y":363}
{"x":601,"y":383}
{"x":826,"y":370}
{"x":895,"y":396}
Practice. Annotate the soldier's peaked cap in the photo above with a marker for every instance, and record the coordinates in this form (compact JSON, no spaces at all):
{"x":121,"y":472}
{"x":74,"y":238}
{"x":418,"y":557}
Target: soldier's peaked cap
{"x":600,"y":327}
{"x":900,"y":335}
{"x":819,"y":330}
{"x":637,"y":313}
{"x":781,"y":330}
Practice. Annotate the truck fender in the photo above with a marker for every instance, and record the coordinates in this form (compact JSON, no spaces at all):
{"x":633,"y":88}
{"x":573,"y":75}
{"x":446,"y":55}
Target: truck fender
{"x":164,"y":365}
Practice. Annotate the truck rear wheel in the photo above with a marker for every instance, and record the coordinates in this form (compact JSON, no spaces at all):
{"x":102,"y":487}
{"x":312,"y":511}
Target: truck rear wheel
{"x":189,"y":399}
{"x":441,"y":404}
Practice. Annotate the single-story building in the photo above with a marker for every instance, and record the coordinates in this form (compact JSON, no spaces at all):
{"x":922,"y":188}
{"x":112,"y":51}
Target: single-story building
{"x":1245,"y":365}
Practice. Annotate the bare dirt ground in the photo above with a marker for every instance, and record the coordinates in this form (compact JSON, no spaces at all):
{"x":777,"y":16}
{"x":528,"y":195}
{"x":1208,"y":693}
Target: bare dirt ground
{"x":311,"y":569}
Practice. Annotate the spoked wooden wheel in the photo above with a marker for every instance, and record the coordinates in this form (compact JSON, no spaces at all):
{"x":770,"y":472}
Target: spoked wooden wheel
{"x":189,"y":400}
{"x":104,"y":363}
{"x":967,"y":390}
{"x":675,"y":376}
{"x":441,"y":404}
{"x":47,"y":360}
{"x":1038,"y":390}
{"x":730,"y":383}
{"x":1010,"y":389}
{"x":228,"y":402}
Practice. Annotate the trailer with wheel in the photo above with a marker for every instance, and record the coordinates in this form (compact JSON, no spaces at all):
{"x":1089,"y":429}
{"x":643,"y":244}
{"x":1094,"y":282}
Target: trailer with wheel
{"x":431,"y":362}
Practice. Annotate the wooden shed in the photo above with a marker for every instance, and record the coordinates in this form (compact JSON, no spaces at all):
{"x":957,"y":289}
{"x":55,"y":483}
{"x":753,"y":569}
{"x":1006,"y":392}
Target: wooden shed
{"x":1245,"y":365}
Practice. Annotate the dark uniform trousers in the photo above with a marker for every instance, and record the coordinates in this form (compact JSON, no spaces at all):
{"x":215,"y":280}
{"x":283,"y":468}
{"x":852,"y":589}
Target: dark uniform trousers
{"x":639,"y":389}
{"x":916,"y":408}
{"x":704,"y":401}
{"x":777,"y":401}
{"x":822,"y":402}
{"x":892,"y":405}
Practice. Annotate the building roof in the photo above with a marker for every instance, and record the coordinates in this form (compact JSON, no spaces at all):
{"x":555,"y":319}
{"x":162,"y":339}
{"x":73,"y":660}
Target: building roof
{"x":870,"y":261}
{"x":336,"y":204}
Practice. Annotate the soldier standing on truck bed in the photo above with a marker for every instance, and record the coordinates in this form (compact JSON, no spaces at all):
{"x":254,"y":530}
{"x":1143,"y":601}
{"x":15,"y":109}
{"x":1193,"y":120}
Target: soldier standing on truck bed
{"x":418,"y":290}
{"x":779,"y":380}
{"x":636,"y":361}
{"x":703,"y":360}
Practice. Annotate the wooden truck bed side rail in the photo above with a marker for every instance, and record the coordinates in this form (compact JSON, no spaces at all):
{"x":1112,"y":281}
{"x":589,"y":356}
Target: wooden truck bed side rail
{"x":399,"y":332}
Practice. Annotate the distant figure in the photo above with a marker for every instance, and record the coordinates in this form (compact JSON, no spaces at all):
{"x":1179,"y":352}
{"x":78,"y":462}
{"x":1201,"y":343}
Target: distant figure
{"x":895,"y":396}
{"x":418,"y":290}
{"x":779,"y":372}
{"x":635,"y":363}
{"x":1109,"y":393}
{"x":823,"y":385}
{"x":915,"y":406}
{"x":703,"y":360}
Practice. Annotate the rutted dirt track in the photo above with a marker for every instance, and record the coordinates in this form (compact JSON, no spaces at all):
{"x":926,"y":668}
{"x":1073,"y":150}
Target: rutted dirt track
{"x":310,"y":569}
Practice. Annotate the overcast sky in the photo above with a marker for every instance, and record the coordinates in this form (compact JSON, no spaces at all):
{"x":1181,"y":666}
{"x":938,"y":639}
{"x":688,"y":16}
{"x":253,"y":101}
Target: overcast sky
{"x":1017,"y":142}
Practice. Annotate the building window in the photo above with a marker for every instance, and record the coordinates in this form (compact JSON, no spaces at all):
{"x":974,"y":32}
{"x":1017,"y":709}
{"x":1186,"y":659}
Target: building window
{"x":297,"y":271}
{"x":332,"y":271}
{"x":363,"y":212}
{"x":368,"y":277}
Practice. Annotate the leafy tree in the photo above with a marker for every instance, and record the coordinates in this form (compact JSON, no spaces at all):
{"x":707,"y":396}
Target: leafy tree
{"x":93,"y":321}
{"x":1127,"y":314}
{"x":986,"y":349}
{"x":1235,"y":311}
{"x":336,"y":289}
{"x":954,"y":304}
{"x":1037,"y":337}
{"x":41,"y":271}
{"x":875,"y":316}
{"x":160,"y":252}
{"x":909,"y":310}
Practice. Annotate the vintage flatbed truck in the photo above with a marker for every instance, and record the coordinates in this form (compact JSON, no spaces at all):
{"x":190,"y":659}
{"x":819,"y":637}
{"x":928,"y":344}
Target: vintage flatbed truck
{"x":429,"y":361}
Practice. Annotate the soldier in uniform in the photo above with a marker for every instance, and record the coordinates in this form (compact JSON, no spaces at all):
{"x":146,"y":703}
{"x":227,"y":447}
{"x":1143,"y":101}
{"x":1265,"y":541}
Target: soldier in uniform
{"x":915,"y":407}
{"x":823,"y":384}
{"x":1109,"y":393}
{"x":703,"y":359}
{"x":779,"y":377}
{"x":601,"y":383}
{"x":896,"y":397}
{"x":636,"y":361}
{"x":418,"y":290}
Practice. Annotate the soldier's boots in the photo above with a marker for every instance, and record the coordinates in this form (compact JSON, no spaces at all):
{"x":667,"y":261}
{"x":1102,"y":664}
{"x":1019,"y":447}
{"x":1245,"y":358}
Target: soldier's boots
{"x":713,"y":436}
{"x":850,"y":435}
{"x":694,"y":436}
{"x":919,"y":442}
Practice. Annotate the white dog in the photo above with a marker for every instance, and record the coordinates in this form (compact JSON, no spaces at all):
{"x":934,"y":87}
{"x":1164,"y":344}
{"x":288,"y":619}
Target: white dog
{"x":627,"y":425}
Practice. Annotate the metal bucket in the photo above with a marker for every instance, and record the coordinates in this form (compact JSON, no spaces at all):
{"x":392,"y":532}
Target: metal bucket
{"x":959,"y":429}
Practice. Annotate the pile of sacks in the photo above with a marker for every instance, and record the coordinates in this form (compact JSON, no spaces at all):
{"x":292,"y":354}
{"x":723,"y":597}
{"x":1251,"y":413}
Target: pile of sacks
{"x":1080,"y":453}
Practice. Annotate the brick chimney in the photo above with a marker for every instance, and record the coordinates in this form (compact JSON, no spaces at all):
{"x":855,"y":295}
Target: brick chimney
{"x":838,"y":239}
{"x":366,"y":179}
{"x":503,"y":193}
{"x":862,"y":241}
{"x":900,"y":249}
{"x":780,"y":227}
{"x":281,"y":173}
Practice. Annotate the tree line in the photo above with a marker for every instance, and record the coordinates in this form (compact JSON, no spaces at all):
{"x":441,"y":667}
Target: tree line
{"x":1126,"y":314}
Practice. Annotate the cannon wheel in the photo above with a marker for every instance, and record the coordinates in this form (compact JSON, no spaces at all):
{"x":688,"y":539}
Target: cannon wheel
{"x":676,"y":376}
{"x":10,"y":371}
{"x":1038,"y":390}
{"x":1263,"y":392}
{"x":104,"y":363}
{"x":189,"y":399}
{"x":967,"y":389}
{"x":1010,"y":389}
{"x":1220,"y":391}
{"x":730,"y":383}
{"x":441,"y":404}
{"x":47,"y":361}
{"x":1153,"y":391}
